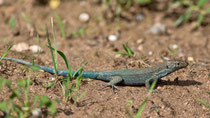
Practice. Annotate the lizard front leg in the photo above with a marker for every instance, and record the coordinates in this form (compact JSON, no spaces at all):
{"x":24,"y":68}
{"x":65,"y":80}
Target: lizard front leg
{"x":147,"y":82}
{"x":114,"y":80}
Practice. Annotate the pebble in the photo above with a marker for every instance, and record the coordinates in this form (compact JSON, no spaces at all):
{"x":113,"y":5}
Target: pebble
{"x":158,"y":29}
{"x":53,"y":78}
{"x":190,"y":59}
{"x":150,"y":52}
{"x":140,"y":48}
{"x":174,"y":46}
{"x":36,"y":112}
{"x":139,"y":17}
{"x":1,"y":2}
{"x":112,"y":37}
{"x":84,"y":17}
{"x":140,"y":41}
{"x":20,"y":47}
{"x":35,"y":48}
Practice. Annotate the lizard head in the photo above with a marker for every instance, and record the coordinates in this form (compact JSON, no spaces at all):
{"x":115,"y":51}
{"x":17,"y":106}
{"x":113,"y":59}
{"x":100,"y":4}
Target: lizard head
{"x":175,"y":65}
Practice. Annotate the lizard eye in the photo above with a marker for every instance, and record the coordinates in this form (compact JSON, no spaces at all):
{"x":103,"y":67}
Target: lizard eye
{"x":178,"y":64}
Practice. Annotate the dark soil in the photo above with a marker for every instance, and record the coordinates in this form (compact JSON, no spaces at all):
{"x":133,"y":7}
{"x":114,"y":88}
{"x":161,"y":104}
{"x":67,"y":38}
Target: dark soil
{"x":178,"y":89}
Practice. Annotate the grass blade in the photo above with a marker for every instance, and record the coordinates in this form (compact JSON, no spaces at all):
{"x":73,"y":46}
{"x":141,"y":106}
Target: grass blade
{"x":172,"y":52}
{"x":61,"y":26}
{"x":51,"y":52}
{"x":5,"y":53}
{"x":201,"y":3}
{"x":143,"y":104}
{"x":206,"y":104}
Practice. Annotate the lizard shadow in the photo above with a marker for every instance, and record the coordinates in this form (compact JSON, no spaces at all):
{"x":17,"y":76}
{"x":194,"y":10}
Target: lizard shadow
{"x":176,"y":82}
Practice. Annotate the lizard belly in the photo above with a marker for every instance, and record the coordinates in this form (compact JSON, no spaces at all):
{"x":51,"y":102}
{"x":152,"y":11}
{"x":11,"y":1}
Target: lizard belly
{"x":133,"y":81}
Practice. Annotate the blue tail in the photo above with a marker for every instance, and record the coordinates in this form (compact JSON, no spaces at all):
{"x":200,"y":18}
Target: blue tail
{"x":85,"y":74}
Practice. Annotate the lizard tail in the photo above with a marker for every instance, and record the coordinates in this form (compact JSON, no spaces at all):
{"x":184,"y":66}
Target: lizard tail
{"x":85,"y":74}
{"x":47,"y":69}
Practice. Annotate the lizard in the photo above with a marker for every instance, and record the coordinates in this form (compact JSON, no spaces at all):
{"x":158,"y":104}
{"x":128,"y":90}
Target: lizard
{"x":131,"y":77}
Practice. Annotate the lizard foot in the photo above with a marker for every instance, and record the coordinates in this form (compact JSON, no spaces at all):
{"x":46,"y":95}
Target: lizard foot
{"x":108,"y":85}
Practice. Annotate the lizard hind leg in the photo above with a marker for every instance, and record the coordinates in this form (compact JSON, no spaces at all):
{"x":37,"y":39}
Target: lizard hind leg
{"x":114,"y":80}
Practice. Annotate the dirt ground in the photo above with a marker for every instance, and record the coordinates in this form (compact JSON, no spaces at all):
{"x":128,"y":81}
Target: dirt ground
{"x":178,"y":89}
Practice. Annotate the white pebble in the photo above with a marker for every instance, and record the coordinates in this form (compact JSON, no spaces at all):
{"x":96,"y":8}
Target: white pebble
{"x":35,"y":48}
{"x":140,"y":41}
{"x":140,"y":48}
{"x":1,"y":2}
{"x":191,"y":59}
{"x":112,"y":37}
{"x":53,"y":78}
{"x":20,"y":47}
{"x":84,"y":17}
{"x":150,"y":53}
{"x":139,"y":17}
{"x":175,"y":46}
{"x":158,"y":29}
{"x":36,"y":112}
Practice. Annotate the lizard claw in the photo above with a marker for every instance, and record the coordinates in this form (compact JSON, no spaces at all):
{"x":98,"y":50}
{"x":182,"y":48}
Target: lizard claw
{"x":108,"y":85}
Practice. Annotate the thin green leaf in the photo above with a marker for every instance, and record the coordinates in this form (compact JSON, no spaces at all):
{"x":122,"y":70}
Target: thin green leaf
{"x":68,"y":94}
{"x":206,"y":104}
{"x":4,"y":82}
{"x":172,"y":52}
{"x":77,"y":86}
{"x":141,"y":108}
{"x":121,"y":53}
{"x":26,"y":18}
{"x":12,"y":23}
{"x":143,"y":104}
{"x":55,"y":45}
{"x":79,"y":70}
{"x":50,"y":84}
{"x":201,"y":3}
{"x":61,"y":26}
{"x":65,"y":59}
{"x":44,"y":101}
{"x":207,"y":10}
{"x":4,"y":107}
{"x":51,"y":52}
{"x":153,"y":86}
{"x":82,"y":95}
{"x":187,"y":14}
{"x":82,"y":30}
{"x":180,"y":20}
{"x":5,"y":53}
{"x":200,"y":19}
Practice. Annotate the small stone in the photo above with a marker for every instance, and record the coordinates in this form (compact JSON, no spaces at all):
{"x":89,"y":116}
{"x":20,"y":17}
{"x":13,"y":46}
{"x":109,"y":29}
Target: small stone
{"x":84,"y":17}
{"x":20,"y":47}
{"x":140,"y":41}
{"x":1,"y":2}
{"x":35,"y":49}
{"x":53,"y":78}
{"x":36,"y":112}
{"x":139,"y":17}
{"x":150,"y":53}
{"x":158,"y":29}
{"x":190,"y":59}
{"x":174,"y":46}
{"x":117,"y":55}
{"x":140,"y":48}
{"x":112,"y":37}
